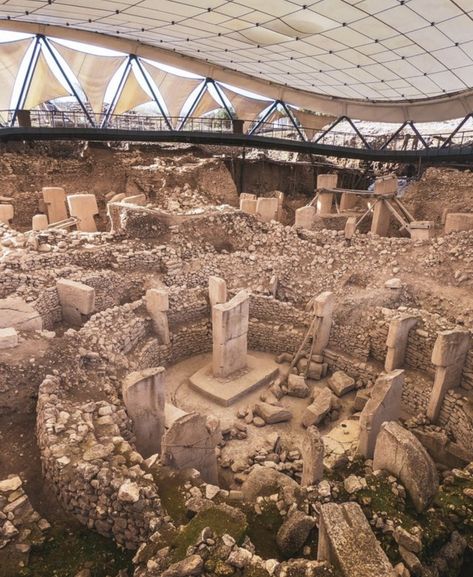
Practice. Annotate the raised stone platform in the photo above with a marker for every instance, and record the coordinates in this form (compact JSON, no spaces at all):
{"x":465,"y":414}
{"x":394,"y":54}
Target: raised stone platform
{"x":226,"y":391}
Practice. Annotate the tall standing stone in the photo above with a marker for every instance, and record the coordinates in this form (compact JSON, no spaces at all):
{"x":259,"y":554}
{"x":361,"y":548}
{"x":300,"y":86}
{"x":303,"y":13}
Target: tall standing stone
{"x":384,"y":405}
{"x":230,"y":335}
{"x":55,"y":200}
{"x":217,"y":291}
{"x":448,"y":356}
{"x":312,"y":456}
{"x":396,"y":341}
{"x":84,"y":208}
{"x":323,"y":309}
{"x":157,"y":305}
{"x":144,"y":398}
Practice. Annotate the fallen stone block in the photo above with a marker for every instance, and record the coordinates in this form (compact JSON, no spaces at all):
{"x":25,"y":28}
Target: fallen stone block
{"x":297,"y":387}
{"x":319,"y":408}
{"x":341,"y":383}
{"x":293,"y":532}
{"x":271,"y":414}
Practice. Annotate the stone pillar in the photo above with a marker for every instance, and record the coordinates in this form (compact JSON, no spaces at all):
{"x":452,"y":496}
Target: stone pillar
{"x":305,"y":217}
{"x":399,"y":452}
{"x":381,"y":218}
{"x":84,"y":208}
{"x":350,"y":227}
{"x":324,"y":203}
{"x":144,"y":398}
{"x":347,"y":201}
{"x":397,"y":341}
{"x":248,"y":206}
{"x":327,"y":181}
{"x":54,"y":198}
{"x":280,"y":196}
{"x":230,"y":335}
{"x":6,"y":213}
{"x":312,"y":451}
{"x":190,"y":443}
{"x":217,"y":291}
{"x":448,"y":356}
{"x":157,"y":305}
{"x":385,"y":185}
{"x":39,"y":222}
{"x":267,"y":209}
{"x":384,"y":405}
{"x":323,"y":308}
{"x":77,"y":299}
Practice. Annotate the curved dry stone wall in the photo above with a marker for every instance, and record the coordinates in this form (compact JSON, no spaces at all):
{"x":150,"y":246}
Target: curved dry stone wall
{"x":96,"y":473}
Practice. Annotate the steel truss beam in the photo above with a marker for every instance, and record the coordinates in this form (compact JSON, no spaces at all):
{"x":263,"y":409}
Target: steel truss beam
{"x":151,"y":89}
{"x":336,"y":123}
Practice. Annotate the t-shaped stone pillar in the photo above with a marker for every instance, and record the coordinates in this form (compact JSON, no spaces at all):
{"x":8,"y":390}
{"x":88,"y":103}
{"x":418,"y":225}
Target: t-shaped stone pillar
{"x":230,"y":335}
{"x":384,"y":405}
{"x":157,"y":305}
{"x":312,"y":451}
{"x":381,"y":218}
{"x":84,"y":208}
{"x":323,"y":309}
{"x":397,"y":341}
{"x":267,"y":208}
{"x":325,"y":199}
{"x":217,"y":290}
{"x":144,"y":398}
{"x":448,"y":356}
{"x":55,"y":200}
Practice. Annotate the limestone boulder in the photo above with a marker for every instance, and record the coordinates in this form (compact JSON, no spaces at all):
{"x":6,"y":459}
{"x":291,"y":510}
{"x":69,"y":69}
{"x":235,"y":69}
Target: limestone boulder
{"x":341,"y":383}
{"x":272,"y":414}
{"x":297,"y":387}
{"x":293,"y":532}
{"x":402,"y":454}
{"x":261,"y":479}
{"x":319,"y":408}
{"x":192,"y":565}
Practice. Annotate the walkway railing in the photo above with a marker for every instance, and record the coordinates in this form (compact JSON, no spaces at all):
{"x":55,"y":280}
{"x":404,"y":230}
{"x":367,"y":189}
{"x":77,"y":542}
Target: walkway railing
{"x":405,"y":140}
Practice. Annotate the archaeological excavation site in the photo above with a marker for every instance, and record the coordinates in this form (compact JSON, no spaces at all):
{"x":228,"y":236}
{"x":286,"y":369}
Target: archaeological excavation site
{"x":236,"y":289}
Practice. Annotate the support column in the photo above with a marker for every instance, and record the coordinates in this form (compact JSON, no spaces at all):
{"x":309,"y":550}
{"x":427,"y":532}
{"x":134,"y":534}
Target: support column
{"x":448,"y":356}
{"x":323,"y":308}
{"x":144,"y":398}
{"x":325,"y":198}
{"x":384,"y":405}
{"x":312,"y":451}
{"x":217,"y":291}
{"x":397,"y":341}
{"x":230,"y":335}
{"x":157,"y":305}
{"x":381,"y":218}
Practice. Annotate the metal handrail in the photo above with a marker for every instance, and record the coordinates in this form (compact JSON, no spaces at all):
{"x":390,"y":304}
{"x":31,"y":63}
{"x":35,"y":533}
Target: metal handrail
{"x":402,"y":141}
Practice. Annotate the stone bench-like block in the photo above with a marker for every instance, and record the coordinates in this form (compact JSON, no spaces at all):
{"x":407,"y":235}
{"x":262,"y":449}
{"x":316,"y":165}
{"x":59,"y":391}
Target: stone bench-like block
{"x":76,"y":299}
{"x":6,"y":213}
{"x":39,"y":222}
{"x":457,"y":221}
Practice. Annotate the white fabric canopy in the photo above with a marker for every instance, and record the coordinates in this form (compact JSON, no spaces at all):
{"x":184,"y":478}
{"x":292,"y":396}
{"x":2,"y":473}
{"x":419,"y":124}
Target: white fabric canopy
{"x":311,"y":122}
{"x":245,"y":107}
{"x":131,"y":96}
{"x":44,"y":85}
{"x":11,"y":56}
{"x":93,"y":72}
{"x":174,"y":89}
{"x":206,"y":103}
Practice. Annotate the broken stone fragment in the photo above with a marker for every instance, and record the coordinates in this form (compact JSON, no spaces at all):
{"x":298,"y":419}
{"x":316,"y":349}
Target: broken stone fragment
{"x":129,"y":492}
{"x":319,"y":408}
{"x":297,"y":387}
{"x":192,"y":565}
{"x":341,"y":383}
{"x":272,"y":414}
{"x":293,"y":532}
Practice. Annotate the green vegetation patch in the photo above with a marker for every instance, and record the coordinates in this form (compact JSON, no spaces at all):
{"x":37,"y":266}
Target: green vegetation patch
{"x":67,"y":551}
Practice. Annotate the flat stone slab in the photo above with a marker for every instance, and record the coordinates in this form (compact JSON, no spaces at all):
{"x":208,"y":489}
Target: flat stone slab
{"x":226,"y":391}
